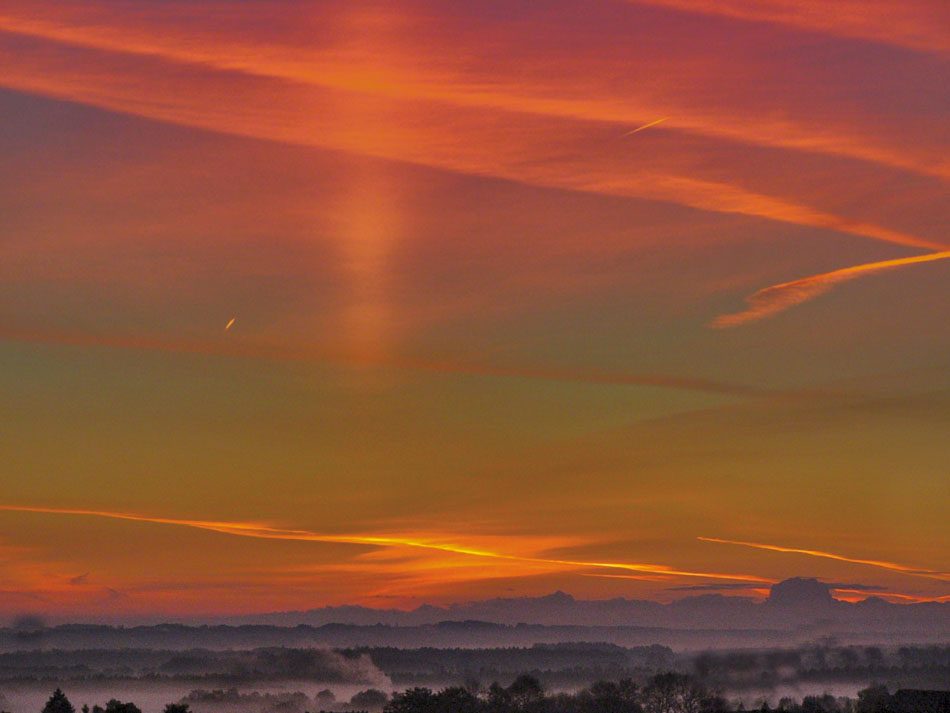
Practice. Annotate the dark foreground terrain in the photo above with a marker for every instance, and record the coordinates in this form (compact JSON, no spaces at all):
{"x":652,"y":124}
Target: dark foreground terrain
{"x":568,"y":677}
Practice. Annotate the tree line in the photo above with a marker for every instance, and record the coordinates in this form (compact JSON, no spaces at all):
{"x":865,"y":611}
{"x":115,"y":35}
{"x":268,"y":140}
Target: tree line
{"x":662,"y":693}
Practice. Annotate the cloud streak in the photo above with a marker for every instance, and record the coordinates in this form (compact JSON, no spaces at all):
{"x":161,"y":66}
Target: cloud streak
{"x":772,"y":300}
{"x":920,"y":25}
{"x":881,"y":564}
{"x":533,"y":141}
{"x":398,"y":70}
{"x":431,"y":543}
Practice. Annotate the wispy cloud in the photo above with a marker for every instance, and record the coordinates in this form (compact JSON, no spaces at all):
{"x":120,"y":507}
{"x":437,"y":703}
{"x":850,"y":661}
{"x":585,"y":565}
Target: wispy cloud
{"x":778,"y":298}
{"x":418,"y":118}
{"x":881,"y":564}
{"x":920,"y":25}
{"x":437,"y":543}
{"x":398,"y":70}
{"x":716,"y":587}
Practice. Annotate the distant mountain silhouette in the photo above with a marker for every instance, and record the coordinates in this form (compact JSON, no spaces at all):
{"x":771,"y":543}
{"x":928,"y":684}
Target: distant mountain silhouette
{"x":798,"y":610}
{"x":793,"y":604}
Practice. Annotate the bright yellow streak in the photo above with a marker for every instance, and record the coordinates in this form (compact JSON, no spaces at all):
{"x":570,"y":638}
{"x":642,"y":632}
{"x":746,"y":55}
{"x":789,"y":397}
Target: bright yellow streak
{"x":646,"y":126}
{"x":892,"y":566}
{"x":264,"y":531}
{"x":778,"y":298}
{"x":229,"y":324}
{"x":913,"y":598}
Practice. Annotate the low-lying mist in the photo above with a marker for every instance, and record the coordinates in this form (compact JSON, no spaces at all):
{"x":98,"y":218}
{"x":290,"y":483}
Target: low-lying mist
{"x":295,"y":680}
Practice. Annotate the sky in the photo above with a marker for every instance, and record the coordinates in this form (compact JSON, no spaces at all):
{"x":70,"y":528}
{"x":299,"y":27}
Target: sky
{"x":321,"y":302}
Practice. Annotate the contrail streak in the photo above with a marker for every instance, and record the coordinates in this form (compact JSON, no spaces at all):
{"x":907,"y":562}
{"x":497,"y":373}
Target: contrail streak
{"x":267,"y":532}
{"x":513,"y":153}
{"x":892,"y":566}
{"x":646,"y":126}
{"x":893,"y":23}
{"x":778,"y":298}
{"x":229,"y":324}
{"x":118,"y":34}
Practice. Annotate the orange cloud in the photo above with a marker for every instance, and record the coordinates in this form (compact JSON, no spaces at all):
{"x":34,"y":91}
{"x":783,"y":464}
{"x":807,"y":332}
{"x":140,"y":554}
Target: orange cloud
{"x":437,"y":543}
{"x":856,"y":595}
{"x":397,"y":106}
{"x":393,"y":60}
{"x":778,"y":298}
{"x":920,"y":25}
{"x":531,"y":149}
{"x":892,"y":566}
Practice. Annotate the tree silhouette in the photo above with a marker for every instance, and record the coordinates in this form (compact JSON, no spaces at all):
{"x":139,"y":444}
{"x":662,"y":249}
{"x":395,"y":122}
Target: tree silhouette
{"x":58,"y":703}
{"x":525,"y":691}
{"x":874,"y":699}
{"x":610,"y":697}
{"x":412,"y":700}
{"x":673,"y":693}
{"x":370,"y":699}
{"x":456,"y":700}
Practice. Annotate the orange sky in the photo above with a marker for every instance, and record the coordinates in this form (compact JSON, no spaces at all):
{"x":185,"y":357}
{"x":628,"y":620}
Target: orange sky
{"x":607,"y":297}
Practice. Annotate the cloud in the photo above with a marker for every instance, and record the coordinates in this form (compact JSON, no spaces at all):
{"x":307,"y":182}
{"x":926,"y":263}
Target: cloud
{"x":915,"y":24}
{"x":724,"y":586}
{"x":857,"y":587}
{"x":775,"y":299}
{"x":259,"y":91}
{"x":396,"y":64}
{"x":892,"y":566}
{"x":434,"y":543}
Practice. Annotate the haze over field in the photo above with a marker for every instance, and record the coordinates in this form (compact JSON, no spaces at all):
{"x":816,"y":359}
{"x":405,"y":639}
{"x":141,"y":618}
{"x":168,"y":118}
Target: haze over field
{"x":338,"y":303}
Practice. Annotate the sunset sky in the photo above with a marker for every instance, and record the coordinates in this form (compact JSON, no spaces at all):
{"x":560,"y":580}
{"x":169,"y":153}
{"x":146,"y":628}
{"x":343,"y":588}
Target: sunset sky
{"x":309,"y":302}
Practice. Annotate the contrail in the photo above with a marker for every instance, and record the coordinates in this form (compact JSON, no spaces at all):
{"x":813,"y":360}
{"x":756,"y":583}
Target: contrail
{"x":268,"y":532}
{"x":120,"y":35}
{"x":646,"y":126}
{"x":892,"y":23}
{"x":229,"y":324}
{"x":120,"y":87}
{"x":892,"y":566}
{"x":778,"y":298}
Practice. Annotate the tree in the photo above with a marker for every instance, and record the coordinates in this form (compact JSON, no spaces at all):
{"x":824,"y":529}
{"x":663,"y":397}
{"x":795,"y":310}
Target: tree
{"x":525,"y":691}
{"x":370,"y":699}
{"x":412,"y":700}
{"x":874,"y":656}
{"x":498,"y":698}
{"x":115,"y":706}
{"x":456,"y":700}
{"x":874,"y":699}
{"x":820,"y":704}
{"x":673,"y":693}
{"x":610,"y":697}
{"x":326,"y":698}
{"x":58,"y":703}
{"x":177,"y":708}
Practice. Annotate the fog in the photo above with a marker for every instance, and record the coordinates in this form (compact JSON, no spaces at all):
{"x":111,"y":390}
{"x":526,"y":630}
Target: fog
{"x":295,"y":680}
